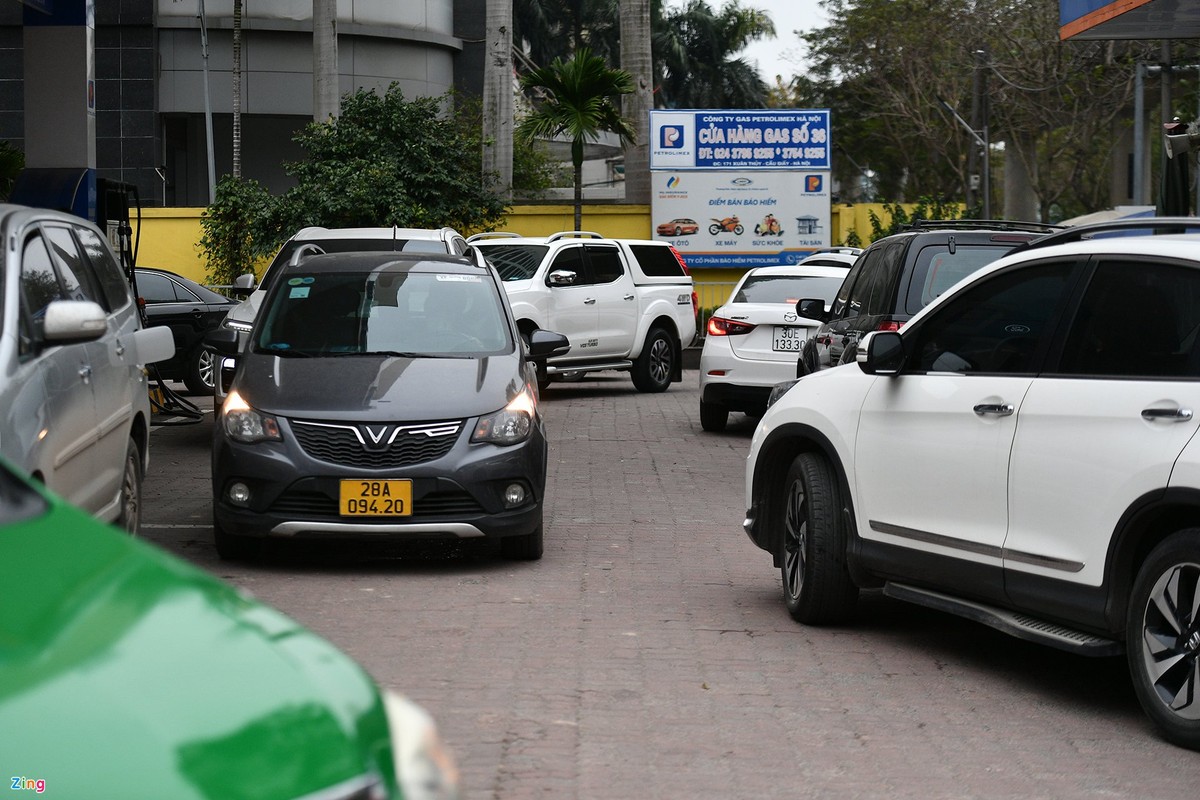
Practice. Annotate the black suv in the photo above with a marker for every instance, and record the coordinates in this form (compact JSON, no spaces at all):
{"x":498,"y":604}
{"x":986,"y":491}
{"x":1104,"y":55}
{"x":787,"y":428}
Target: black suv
{"x":897,"y":276}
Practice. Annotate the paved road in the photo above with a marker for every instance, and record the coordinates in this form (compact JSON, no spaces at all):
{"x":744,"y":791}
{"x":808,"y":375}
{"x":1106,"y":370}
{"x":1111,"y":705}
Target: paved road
{"x":649,"y":655}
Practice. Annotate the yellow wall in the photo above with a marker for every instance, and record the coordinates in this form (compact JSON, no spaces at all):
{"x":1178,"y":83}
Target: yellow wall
{"x":169,"y":236}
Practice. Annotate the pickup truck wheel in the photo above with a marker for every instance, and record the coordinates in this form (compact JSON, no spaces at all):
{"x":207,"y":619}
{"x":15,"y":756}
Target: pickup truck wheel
{"x":713,"y":417}
{"x":652,"y":369}
{"x":523,"y":548}
{"x":816,"y":585}
{"x":1163,"y":637}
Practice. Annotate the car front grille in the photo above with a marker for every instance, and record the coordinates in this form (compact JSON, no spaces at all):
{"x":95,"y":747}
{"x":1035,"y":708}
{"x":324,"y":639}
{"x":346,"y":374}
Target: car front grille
{"x":376,"y":446}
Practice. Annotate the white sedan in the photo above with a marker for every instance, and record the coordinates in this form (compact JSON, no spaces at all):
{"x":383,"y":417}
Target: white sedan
{"x":751,"y":343}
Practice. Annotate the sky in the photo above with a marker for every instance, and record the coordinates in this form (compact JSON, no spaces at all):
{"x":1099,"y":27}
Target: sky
{"x":783,"y":55}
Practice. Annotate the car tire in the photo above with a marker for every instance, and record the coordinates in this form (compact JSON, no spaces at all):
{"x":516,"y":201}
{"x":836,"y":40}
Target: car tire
{"x":678,"y":231}
{"x":235,"y":548}
{"x":816,"y":584}
{"x":653,"y":368}
{"x":130,"y":516}
{"x":713,"y":417}
{"x":1163,"y":637}
{"x":523,"y":548}
{"x":201,"y":372}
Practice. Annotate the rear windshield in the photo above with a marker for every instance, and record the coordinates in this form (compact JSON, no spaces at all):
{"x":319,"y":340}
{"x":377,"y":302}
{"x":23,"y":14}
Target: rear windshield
{"x":787,"y":289}
{"x":657,"y":261}
{"x":412,"y":314}
{"x":937,"y":269}
{"x":514,"y":262}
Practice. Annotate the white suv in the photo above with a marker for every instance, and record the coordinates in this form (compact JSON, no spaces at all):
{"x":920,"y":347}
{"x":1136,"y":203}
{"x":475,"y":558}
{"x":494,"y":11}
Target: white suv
{"x":1023,"y":453}
{"x":74,"y":400}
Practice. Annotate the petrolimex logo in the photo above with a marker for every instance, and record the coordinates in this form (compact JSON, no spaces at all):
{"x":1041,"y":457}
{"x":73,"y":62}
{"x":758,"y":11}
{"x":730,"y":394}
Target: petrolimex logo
{"x":670,"y":137}
{"x":813,"y":183}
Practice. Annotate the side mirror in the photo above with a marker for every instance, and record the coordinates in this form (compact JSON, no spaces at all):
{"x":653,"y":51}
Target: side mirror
{"x":881,"y":353}
{"x":243,"y":284}
{"x":73,"y":321}
{"x":547,"y":344}
{"x":812,"y":308}
{"x":562,"y":277}
{"x":222,"y":340}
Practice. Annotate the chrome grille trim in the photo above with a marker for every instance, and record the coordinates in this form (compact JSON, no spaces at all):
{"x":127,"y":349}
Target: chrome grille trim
{"x":382,"y":445}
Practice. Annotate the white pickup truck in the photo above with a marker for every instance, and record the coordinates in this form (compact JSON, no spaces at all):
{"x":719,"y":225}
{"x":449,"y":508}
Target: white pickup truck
{"x":624,"y":304}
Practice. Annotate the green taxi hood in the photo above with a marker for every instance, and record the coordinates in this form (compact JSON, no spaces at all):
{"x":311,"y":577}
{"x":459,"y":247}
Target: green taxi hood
{"x":125,"y":672}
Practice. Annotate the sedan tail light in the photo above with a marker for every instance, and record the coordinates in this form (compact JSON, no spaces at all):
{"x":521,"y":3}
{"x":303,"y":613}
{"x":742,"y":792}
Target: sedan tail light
{"x":719,"y":326}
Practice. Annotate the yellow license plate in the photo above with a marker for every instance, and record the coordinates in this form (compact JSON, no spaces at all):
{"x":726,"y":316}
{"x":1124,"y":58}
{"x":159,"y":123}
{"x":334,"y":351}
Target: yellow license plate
{"x":361,"y":498}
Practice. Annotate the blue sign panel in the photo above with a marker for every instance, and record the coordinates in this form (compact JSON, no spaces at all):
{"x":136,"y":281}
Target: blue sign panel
{"x":740,"y":140}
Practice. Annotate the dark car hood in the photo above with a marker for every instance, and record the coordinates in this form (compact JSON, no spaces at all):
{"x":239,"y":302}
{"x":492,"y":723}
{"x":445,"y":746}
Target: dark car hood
{"x":363,"y":387}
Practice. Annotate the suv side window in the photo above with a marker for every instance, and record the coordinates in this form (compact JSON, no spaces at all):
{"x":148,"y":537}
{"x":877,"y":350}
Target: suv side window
{"x":839,"y":308}
{"x":39,"y":284}
{"x":871,"y":293}
{"x":77,"y":277}
{"x":605,"y":263}
{"x":1136,"y":318}
{"x":996,"y":327}
{"x":112,"y":278}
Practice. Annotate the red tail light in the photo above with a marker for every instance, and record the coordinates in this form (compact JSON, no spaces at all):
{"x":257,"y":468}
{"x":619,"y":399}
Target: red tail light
{"x":889,"y":325}
{"x":719,"y":326}
{"x":679,"y":258}
{"x":695,"y":304}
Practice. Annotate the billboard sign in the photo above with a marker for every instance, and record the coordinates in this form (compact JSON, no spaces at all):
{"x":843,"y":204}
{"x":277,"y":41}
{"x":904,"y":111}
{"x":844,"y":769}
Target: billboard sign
{"x":782,"y":139}
{"x":730,"y":219}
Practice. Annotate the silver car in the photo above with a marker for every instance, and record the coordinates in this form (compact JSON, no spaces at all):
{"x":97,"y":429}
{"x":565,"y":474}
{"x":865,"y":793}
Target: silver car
{"x":74,"y":399}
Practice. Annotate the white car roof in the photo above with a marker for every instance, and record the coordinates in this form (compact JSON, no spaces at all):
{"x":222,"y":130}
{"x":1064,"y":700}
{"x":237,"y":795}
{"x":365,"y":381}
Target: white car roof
{"x":801,"y":269}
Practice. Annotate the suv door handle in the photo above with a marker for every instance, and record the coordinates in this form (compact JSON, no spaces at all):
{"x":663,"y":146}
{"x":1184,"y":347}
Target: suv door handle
{"x":1171,"y":414}
{"x":591,"y":301}
{"x":995,"y":409}
{"x":629,"y":296}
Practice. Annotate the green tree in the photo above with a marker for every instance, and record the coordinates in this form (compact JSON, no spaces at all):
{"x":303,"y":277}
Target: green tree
{"x":238,"y":229}
{"x":695,"y":53}
{"x":386,"y":160}
{"x":12,"y":161}
{"x":578,"y":102}
{"x":383,"y":161}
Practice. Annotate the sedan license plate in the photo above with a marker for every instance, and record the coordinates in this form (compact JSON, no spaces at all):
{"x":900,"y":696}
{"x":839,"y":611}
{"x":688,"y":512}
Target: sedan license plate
{"x":391,"y":498}
{"x":787,"y":338}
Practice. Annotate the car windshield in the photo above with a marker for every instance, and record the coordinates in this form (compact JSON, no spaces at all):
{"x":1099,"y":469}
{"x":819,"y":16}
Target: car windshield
{"x":515,"y":262}
{"x":786,"y":288}
{"x":408,"y":313}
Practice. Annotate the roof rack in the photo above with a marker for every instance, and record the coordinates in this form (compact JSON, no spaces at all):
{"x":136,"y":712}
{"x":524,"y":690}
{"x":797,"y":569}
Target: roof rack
{"x":554,"y":237}
{"x":1153,"y":226}
{"x":982,"y":224}
{"x":493,"y":235}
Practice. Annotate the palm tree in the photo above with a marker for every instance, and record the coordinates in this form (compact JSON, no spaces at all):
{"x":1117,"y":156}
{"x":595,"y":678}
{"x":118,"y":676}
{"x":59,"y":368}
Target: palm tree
{"x":694,"y":51}
{"x":577,"y":100}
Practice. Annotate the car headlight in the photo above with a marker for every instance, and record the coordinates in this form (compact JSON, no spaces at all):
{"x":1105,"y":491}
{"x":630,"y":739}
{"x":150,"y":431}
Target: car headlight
{"x":425,"y":770}
{"x":779,"y":390}
{"x":245,"y":424}
{"x":511,"y":424}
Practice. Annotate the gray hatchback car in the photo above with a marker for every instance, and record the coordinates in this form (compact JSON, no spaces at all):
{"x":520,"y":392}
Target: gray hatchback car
{"x":74,"y":399}
{"x":383,"y":395}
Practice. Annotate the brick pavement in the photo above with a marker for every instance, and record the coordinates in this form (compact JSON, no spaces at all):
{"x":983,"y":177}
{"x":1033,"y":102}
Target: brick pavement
{"x":649,"y":655}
